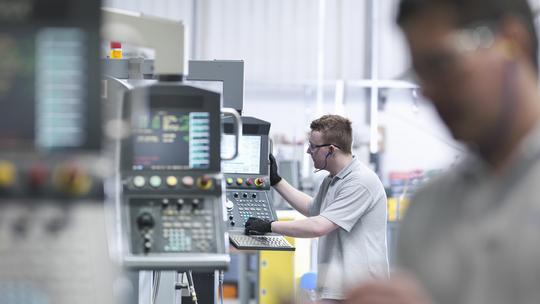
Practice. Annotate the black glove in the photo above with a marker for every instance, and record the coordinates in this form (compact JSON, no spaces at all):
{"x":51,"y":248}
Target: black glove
{"x":255,"y":225}
{"x":274,"y":176}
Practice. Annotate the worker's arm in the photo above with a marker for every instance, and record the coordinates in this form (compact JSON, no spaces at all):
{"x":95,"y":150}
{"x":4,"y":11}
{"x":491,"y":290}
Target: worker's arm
{"x":310,"y":227}
{"x":296,"y":198}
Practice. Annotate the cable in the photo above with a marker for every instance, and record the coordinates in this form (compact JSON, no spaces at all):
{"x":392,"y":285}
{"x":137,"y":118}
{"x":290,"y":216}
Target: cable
{"x":156,"y":278}
{"x":221,"y":278}
{"x":191,"y":287}
{"x":325,"y":163}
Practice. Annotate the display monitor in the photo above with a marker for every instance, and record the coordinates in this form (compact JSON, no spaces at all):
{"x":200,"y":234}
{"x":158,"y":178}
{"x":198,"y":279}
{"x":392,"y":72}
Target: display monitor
{"x":171,"y":139}
{"x":49,"y":75}
{"x":248,"y":160}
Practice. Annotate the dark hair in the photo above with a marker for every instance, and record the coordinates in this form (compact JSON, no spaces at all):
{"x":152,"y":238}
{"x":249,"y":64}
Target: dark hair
{"x":335,"y":130}
{"x":470,"y":12}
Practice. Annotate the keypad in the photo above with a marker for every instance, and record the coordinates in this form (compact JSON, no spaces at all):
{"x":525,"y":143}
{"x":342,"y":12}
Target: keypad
{"x":260,"y":242}
{"x":248,"y":205}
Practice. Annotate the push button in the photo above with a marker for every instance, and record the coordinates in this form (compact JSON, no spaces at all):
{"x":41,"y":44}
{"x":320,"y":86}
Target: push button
{"x":165,"y":203}
{"x":72,"y":180}
{"x":229,"y":205}
{"x":171,"y":181}
{"x":139,"y":181}
{"x":188,"y":181}
{"x":259,"y":182}
{"x":204,"y":182}
{"x":7,"y":174}
{"x":37,"y":177}
{"x":155,"y":181}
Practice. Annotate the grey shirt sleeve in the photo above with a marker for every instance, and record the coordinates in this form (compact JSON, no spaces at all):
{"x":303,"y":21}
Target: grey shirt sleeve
{"x":350,"y":203}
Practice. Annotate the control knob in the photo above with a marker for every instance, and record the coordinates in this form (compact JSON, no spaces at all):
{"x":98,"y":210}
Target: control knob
{"x":145,"y":221}
{"x":229,"y":205}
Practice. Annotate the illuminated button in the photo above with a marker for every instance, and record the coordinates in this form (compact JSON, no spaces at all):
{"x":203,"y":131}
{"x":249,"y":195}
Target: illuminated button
{"x":172,"y":181}
{"x":259,"y":182}
{"x":204,"y":182}
{"x":155,"y":181}
{"x":7,"y":174}
{"x":139,"y":181}
{"x":116,"y":50}
{"x":230,"y":180}
{"x":239,"y":181}
{"x":187,"y":181}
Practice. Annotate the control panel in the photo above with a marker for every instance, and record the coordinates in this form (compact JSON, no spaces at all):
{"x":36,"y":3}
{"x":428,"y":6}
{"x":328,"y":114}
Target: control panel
{"x":246,"y":182}
{"x":54,"y":231}
{"x":57,"y":252}
{"x":30,"y":176}
{"x":166,"y":222}
{"x":243,"y":203}
{"x":171,"y":186}
{"x":248,"y":186}
{"x":247,"y":196}
{"x":246,"y":177}
{"x":54,"y":241}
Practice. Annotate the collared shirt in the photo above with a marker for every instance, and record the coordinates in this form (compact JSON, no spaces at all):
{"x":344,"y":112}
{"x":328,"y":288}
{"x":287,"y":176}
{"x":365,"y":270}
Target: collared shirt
{"x":472,"y":236}
{"x":354,"y":200}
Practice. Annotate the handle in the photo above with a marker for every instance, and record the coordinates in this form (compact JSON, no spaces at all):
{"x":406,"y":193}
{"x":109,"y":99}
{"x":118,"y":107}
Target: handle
{"x":238,"y":131}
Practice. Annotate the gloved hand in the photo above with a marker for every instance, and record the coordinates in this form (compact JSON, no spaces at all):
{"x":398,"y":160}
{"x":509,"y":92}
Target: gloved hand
{"x":255,"y":225}
{"x":274,"y":176}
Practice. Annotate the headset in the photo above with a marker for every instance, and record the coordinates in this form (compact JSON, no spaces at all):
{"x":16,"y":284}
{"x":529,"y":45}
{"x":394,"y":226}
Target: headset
{"x":325,"y":161}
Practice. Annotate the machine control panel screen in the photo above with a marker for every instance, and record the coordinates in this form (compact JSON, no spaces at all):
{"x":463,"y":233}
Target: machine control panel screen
{"x":171,"y":139}
{"x":49,"y":75}
{"x":249,"y":155}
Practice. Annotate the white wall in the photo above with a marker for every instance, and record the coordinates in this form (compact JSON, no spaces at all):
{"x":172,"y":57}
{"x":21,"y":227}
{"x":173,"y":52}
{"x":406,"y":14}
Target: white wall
{"x":277,"y":39}
{"x":415,"y":138}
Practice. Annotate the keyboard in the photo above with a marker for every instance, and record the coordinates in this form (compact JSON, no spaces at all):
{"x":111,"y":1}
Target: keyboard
{"x":260,"y":242}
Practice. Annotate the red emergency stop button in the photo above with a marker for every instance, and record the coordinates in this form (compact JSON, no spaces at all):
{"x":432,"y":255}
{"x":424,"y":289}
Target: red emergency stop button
{"x":259,"y":182}
{"x":204,"y":182}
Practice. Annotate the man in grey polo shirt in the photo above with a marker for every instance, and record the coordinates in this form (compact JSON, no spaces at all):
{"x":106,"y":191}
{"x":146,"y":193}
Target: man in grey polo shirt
{"x":348,"y":214}
{"x":472,"y":236}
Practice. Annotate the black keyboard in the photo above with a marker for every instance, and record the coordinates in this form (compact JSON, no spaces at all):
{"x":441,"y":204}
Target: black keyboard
{"x":260,"y":242}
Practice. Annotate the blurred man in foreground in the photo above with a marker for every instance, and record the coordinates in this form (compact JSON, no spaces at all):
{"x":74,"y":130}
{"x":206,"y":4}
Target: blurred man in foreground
{"x":472,"y":235}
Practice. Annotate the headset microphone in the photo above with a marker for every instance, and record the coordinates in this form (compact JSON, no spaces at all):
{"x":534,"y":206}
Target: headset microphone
{"x":325,"y":162}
